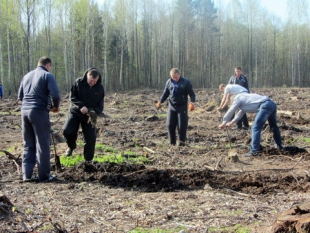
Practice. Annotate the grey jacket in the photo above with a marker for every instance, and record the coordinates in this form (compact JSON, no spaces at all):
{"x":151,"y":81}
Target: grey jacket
{"x":247,"y":103}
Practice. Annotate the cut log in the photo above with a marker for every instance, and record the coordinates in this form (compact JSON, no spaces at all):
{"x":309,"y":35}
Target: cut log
{"x":296,"y":219}
{"x":5,"y":205}
{"x":289,"y":113}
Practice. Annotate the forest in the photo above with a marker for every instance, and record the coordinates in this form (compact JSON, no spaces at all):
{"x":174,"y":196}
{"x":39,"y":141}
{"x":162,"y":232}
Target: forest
{"x":134,"y":43}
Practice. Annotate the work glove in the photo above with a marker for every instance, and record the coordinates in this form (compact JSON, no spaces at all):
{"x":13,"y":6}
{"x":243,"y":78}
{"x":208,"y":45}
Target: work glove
{"x":158,"y":105}
{"x":191,"y":107}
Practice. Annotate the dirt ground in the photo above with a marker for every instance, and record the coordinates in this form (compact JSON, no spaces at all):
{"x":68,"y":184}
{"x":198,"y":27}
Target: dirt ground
{"x":202,"y":187}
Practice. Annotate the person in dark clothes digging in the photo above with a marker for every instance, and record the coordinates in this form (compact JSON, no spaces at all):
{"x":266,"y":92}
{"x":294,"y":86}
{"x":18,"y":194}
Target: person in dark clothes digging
{"x":87,"y":100}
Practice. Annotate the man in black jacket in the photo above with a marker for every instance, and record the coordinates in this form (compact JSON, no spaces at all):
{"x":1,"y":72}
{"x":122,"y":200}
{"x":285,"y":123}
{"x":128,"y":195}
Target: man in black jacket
{"x":241,"y":80}
{"x":87,"y":98}
{"x":177,"y":88}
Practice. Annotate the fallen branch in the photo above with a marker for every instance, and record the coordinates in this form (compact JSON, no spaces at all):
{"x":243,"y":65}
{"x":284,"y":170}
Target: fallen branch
{"x":218,"y":163}
{"x":210,"y":168}
{"x":10,"y":156}
{"x":128,"y":118}
{"x":232,"y":191}
{"x":289,"y":113}
{"x":149,"y":150}
{"x":17,"y":167}
{"x":265,"y":130}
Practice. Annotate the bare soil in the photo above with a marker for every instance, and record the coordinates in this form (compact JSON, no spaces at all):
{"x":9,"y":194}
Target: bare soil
{"x":205,"y":186}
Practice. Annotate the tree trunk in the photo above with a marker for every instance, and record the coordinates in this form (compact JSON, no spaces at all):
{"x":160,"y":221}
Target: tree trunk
{"x":297,"y":219}
{"x":8,"y":50}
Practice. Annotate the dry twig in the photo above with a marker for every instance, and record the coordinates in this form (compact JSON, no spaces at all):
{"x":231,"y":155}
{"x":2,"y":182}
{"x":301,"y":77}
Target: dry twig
{"x":149,"y":150}
{"x":10,"y":156}
{"x":241,"y":194}
{"x":218,"y":163}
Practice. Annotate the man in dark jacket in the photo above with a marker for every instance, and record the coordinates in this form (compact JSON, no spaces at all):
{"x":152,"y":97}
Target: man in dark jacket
{"x":87,"y":97}
{"x":177,"y":89}
{"x":241,"y":80}
{"x":38,"y":91}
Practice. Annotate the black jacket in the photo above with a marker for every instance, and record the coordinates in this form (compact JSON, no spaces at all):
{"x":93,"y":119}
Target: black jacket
{"x":82,"y":94}
{"x":242,"y":81}
{"x":181,"y":96}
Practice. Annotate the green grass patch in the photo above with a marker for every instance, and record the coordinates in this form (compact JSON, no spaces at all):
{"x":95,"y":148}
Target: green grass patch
{"x":70,"y":161}
{"x":236,"y":229}
{"x":28,"y":211}
{"x":80,"y":143}
{"x":105,"y":148}
{"x":156,"y":230}
{"x":12,"y":148}
{"x":162,"y":115}
{"x":132,"y":157}
{"x":233,"y":213}
{"x":112,"y":156}
{"x":10,"y":113}
{"x":306,"y":140}
{"x":45,"y":228}
{"x":139,"y":160}
{"x":109,"y":158}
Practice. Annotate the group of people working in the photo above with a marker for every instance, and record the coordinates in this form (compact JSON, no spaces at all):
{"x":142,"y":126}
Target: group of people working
{"x":39,"y":94}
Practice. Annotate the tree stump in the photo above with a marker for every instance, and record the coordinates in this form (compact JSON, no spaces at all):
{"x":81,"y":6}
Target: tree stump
{"x":296,"y":220}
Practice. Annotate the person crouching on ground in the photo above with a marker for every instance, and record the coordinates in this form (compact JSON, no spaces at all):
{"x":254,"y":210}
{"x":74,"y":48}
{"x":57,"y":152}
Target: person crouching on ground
{"x":265,"y":108}
{"x":178,"y":89}
{"x":86,"y":96}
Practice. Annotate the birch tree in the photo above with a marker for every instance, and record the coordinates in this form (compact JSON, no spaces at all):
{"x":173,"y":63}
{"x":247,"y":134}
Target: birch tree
{"x":27,"y":7}
{"x":106,"y":32}
{"x":121,"y":26}
{"x":1,"y":59}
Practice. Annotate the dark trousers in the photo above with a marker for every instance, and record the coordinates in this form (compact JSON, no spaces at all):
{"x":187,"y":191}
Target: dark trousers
{"x":177,"y":117}
{"x":245,"y":121}
{"x":36,"y":131}
{"x":70,"y":132}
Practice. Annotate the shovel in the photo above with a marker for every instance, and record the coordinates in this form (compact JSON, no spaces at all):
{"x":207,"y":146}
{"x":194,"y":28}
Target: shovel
{"x":57,"y":159}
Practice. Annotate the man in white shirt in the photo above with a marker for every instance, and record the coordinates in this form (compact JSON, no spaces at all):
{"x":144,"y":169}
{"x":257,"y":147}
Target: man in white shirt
{"x":229,"y":90}
{"x":265,"y":108}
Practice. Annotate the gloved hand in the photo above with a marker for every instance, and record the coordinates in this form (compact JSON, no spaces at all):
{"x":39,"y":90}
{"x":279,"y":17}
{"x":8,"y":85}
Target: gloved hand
{"x":191,"y":107}
{"x":158,"y":105}
{"x":54,"y":109}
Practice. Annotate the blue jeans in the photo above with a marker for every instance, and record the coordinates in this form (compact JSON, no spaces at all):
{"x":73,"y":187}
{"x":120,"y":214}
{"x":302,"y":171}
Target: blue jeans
{"x":266,"y":111}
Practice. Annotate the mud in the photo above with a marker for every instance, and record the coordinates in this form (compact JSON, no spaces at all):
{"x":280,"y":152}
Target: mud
{"x":203,"y":170}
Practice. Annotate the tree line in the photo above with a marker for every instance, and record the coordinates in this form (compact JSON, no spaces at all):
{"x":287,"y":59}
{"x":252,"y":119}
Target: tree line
{"x":135,"y":43}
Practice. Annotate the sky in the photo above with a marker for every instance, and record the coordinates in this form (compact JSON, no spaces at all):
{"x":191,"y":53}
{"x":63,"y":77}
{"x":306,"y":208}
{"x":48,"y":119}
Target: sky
{"x":278,"y":7}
